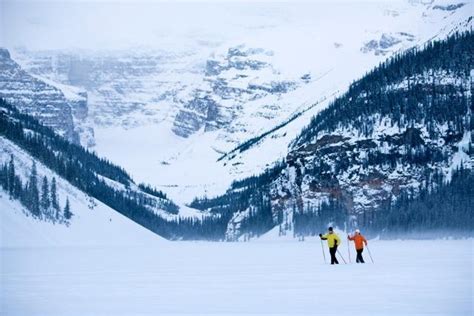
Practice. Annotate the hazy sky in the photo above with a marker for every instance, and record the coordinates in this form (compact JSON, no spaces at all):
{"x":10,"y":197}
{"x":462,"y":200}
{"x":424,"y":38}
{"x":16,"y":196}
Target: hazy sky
{"x":158,"y":24}
{"x":123,"y":24}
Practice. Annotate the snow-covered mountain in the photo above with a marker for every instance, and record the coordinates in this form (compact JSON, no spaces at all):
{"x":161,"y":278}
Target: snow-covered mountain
{"x":42,"y":99}
{"x":393,"y":153}
{"x":160,"y":113}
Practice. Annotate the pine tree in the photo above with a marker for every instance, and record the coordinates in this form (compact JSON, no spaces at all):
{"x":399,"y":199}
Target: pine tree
{"x":45,"y":201}
{"x":11,"y":177}
{"x":67,"y":210}
{"x":33,"y":193}
{"x":4,"y":177}
{"x":54,"y":198}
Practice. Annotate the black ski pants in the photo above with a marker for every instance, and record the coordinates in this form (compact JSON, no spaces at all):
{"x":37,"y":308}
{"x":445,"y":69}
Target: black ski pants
{"x":333,"y":251}
{"x":359,"y":258}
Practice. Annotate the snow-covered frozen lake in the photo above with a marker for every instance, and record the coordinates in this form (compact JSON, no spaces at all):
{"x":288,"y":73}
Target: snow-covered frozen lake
{"x":263,"y":277}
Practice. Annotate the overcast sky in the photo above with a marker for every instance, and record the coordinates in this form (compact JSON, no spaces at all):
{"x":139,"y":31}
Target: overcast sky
{"x":109,"y":24}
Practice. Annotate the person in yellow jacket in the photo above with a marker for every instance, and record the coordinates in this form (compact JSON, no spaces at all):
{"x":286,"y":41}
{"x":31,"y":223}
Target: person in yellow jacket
{"x":333,"y":241}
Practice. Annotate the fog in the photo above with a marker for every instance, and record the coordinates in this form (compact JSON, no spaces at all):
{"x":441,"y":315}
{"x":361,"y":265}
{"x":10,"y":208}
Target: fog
{"x":40,"y":25}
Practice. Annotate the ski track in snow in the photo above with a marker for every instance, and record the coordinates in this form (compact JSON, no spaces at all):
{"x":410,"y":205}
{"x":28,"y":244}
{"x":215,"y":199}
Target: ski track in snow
{"x":262,"y":277}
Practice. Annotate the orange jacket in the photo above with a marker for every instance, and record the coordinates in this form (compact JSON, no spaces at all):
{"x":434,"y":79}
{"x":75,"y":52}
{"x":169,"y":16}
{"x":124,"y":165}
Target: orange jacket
{"x":359,"y":241}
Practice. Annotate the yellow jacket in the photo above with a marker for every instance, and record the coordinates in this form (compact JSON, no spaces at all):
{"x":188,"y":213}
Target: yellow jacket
{"x":332,"y":239}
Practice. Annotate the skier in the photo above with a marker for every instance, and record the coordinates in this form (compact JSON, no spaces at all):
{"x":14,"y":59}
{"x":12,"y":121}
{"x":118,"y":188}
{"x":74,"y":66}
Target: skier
{"x":359,"y":242}
{"x":333,"y":241}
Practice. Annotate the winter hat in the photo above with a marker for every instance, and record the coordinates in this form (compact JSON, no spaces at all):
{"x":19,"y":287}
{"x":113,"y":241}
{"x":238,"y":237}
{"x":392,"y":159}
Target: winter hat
{"x":357,"y":231}
{"x":330,"y":229}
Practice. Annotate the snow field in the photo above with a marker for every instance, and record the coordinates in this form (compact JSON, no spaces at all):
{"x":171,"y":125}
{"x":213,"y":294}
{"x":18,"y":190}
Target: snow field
{"x":262,"y":277}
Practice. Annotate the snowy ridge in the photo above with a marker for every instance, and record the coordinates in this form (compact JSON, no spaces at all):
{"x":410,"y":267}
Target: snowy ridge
{"x":92,"y":224}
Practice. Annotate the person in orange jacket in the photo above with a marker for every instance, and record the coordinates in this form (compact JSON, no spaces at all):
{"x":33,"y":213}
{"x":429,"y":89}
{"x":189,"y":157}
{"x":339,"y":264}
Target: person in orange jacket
{"x":359,"y":242}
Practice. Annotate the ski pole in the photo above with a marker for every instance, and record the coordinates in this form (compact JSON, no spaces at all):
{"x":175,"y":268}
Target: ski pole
{"x":349,"y":251}
{"x":322,"y":248}
{"x":341,"y":256}
{"x":370,"y":254}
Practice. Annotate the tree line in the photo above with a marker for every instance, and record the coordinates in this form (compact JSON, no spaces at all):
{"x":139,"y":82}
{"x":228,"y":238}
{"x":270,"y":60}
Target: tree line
{"x":37,"y":195}
{"x":441,"y":206}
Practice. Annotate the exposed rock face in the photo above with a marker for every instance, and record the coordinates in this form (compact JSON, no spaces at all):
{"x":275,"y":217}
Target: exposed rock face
{"x":345,"y":167}
{"x":38,"y":98}
{"x":120,"y":86}
{"x":198,"y":112}
{"x":80,"y":113}
{"x":234,"y":92}
{"x":449,"y":7}
{"x":231,"y":81}
{"x":387,"y":43}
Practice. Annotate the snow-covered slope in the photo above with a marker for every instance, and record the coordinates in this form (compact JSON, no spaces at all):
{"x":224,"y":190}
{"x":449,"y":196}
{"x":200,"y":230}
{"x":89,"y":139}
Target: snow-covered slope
{"x":93,"y":223}
{"x":162,"y":113}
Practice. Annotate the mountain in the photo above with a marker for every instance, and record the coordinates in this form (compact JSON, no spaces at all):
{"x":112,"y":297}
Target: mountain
{"x":234,"y":82}
{"x":51,"y":177}
{"x":262,"y":86}
{"x":393,"y":153}
{"x":194,"y":122}
{"x":41,"y":99}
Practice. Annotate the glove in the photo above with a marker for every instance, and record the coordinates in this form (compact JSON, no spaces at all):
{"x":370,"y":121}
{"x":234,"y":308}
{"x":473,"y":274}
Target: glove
{"x":348,"y":237}
{"x":320,"y":235}
{"x":335,"y":244}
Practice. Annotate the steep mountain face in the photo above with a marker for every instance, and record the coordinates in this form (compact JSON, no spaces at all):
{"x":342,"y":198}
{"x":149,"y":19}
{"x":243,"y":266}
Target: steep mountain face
{"x":40,"y":99}
{"x":125,"y":88}
{"x":170,"y":107}
{"x":402,"y":130}
{"x":383,"y":45}
{"x":233,"y":83}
